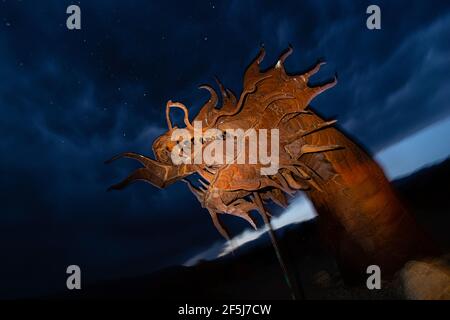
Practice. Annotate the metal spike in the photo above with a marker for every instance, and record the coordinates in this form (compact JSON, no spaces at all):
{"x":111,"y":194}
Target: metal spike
{"x":261,"y":54}
{"x":313,"y":71}
{"x":139,"y":174}
{"x":321,"y":126}
{"x":249,"y":219}
{"x":143,"y":160}
{"x":278,"y":197}
{"x":197,"y":193}
{"x":283,"y":57}
{"x":315,"y":91}
{"x":307,"y":148}
{"x":223,"y":91}
{"x":231,"y":97}
{"x":315,"y":185}
{"x":213,"y":96}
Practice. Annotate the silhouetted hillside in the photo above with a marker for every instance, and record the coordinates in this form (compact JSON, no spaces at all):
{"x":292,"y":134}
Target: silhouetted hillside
{"x":427,"y":194}
{"x":253,"y":272}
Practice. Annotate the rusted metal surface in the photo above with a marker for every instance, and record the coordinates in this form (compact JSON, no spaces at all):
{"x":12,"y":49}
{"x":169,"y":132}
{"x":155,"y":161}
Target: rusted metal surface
{"x":362,"y":219}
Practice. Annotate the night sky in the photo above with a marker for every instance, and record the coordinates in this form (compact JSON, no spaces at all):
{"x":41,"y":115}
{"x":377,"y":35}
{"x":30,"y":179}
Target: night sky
{"x":71,"y":99}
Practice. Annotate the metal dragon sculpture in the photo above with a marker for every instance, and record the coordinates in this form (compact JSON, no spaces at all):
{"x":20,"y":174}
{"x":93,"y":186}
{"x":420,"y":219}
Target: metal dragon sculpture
{"x":361,"y":218}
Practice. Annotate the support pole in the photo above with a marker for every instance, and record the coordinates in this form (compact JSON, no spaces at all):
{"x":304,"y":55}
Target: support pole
{"x":294,"y":287}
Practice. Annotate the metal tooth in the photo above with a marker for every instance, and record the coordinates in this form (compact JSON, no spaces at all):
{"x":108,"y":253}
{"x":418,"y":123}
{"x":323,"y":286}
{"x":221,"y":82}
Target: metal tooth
{"x":203,"y":183}
{"x":242,"y":211}
{"x":277,"y":196}
{"x":199,"y":194}
{"x":218,"y":224}
{"x":284,"y":184}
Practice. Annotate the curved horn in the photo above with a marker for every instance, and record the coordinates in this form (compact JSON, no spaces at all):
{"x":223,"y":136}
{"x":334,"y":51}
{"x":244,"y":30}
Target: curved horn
{"x":181,"y":106}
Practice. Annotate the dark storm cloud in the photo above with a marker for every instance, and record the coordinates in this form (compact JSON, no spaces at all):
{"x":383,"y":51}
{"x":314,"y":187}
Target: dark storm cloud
{"x":71,"y":99}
